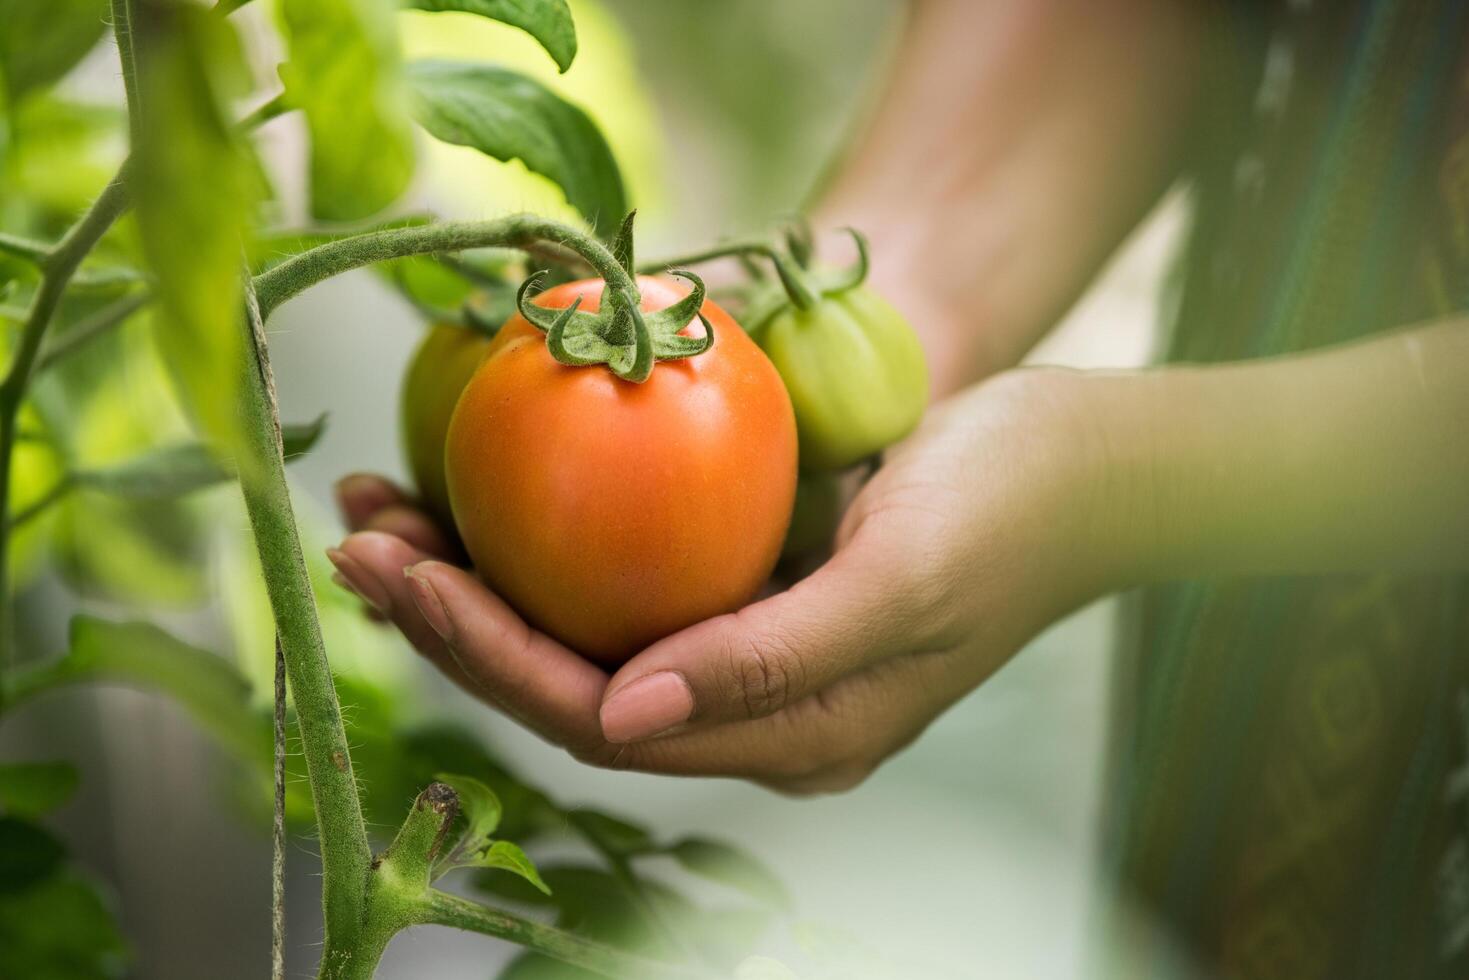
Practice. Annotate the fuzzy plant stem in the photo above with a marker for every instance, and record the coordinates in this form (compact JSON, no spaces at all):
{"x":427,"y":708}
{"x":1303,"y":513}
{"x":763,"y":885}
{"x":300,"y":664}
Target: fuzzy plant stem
{"x":517,"y":231}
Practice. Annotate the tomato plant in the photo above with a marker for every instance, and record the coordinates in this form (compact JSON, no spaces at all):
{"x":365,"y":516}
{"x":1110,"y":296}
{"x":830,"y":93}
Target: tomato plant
{"x":613,"y":513}
{"x":202,"y":263}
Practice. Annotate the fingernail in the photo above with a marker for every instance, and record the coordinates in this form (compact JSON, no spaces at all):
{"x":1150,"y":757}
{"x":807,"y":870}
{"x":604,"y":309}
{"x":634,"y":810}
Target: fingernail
{"x":429,"y":603}
{"x":647,"y":707}
{"x":350,"y":491}
{"x":353,"y":576}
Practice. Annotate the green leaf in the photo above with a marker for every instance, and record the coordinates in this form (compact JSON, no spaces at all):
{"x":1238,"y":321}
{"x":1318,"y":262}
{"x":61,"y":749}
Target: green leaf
{"x":28,"y":854}
{"x":506,"y":856}
{"x":613,"y":834}
{"x":548,"y":21}
{"x":481,"y":809}
{"x":509,"y":116}
{"x":475,"y":848}
{"x":41,"y":42}
{"x":176,"y":470}
{"x":733,"y":867}
{"x":194,"y":184}
{"x":343,"y":73}
{"x":210,"y":688}
{"x":61,"y":929}
{"x":29,"y":789}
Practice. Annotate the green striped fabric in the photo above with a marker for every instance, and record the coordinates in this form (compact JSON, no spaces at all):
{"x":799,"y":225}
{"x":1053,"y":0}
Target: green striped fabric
{"x":1286,"y":766}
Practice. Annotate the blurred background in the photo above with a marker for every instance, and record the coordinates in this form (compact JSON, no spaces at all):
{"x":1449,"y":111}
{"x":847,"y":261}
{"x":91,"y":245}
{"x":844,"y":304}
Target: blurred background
{"x":974,"y":853}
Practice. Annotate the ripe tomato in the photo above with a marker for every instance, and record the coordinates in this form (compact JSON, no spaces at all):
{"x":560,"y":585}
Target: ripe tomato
{"x":855,"y":371}
{"x":438,"y":372}
{"x":608,"y":513}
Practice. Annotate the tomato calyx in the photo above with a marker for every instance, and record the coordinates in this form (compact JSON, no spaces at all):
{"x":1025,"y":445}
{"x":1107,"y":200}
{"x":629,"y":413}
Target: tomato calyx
{"x":620,"y":335}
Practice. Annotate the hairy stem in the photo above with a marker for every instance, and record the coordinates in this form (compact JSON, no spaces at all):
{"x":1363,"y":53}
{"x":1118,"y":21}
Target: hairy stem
{"x":345,"y":856}
{"x":441,"y":908}
{"x":297,"y":274}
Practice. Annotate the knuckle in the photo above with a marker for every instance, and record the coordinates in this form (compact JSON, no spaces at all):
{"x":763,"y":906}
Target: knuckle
{"x":762,"y":672}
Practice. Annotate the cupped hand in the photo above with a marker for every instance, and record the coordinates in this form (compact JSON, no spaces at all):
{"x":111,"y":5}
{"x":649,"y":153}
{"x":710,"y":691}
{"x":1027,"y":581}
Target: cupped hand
{"x":972,"y":537}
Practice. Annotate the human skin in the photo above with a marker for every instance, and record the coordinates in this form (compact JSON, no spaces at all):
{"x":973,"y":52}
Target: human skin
{"x":1021,"y":497}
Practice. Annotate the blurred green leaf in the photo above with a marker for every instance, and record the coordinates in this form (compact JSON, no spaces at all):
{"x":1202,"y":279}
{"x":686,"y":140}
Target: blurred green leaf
{"x":42,"y":41}
{"x":194,"y":184}
{"x":140,"y":654}
{"x":177,"y":470}
{"x":613,"y":834}
{"x":548,"y":21}
{"x":28,"y":854}
{"x":61,"y":929}
{"x":343,"y":73}
{"x":505,"y":856}
{"x":29,"y":789}
{"x":511,"y":117}
{"x":732,"y":867}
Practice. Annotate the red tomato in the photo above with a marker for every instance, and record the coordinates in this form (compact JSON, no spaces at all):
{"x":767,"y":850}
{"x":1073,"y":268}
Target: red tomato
{"x":610,"y":514}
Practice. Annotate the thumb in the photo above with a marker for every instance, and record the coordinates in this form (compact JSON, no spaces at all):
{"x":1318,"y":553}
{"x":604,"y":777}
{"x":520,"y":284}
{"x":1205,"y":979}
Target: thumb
{"x":846,"y":615}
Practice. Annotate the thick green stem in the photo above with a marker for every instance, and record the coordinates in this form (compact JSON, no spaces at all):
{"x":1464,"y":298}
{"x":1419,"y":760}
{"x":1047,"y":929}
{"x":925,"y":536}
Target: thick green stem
{"x":345,"y":856}
{"x":310,"y":267}
{"x":57,"y":268}
{"x":441,"y":908}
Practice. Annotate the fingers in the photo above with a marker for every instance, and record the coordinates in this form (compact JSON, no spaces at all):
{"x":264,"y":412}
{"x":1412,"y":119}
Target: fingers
{"x":541,"y":683}
{"x":849,"y":614}
{"x":827,"y":743}
{"x":371,"y":503}
{"x":360,"y":495}
{"x":372,"y":564}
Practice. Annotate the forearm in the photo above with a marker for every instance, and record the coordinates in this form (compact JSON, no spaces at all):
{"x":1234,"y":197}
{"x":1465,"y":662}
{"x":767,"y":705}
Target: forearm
{"x":1015,"y":145}
{"x":1351,"y":459}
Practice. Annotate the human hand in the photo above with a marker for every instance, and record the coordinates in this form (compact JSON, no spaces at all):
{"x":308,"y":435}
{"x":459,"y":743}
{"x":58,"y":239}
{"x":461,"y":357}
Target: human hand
{"x":972,"y":538}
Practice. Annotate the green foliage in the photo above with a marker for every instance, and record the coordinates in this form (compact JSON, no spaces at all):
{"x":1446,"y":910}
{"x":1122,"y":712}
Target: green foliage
{"x":138,"y":654}
{"x":548,"y":21}
{"x":192,"y":230}
{"x":475,"y":847}
{"x":511,"y":117}
{"x":28,"y":854}
{"x":60,"y":928}
{"x":42,"y":41}
{"x":730,"y":866}
{"x":29,"y":789}
{"x":176,"y":470}
{"x":343,"y":73}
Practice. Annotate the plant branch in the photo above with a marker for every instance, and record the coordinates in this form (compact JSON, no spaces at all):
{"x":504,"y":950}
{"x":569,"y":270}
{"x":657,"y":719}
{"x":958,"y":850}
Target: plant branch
{"x":265,"y":112}
{"x":24,"y":248}
{"x":58,"y":492}
{"x":92,"y":327}
{"x":441,"y":908}
{"x":345,"y":856}
{"x":297,"y":274}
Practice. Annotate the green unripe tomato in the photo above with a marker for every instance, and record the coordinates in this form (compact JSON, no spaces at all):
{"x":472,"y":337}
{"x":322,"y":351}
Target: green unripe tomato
{"x":815,"y":516}
{"x":437,"y":374}
{"x":855,"y":372}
